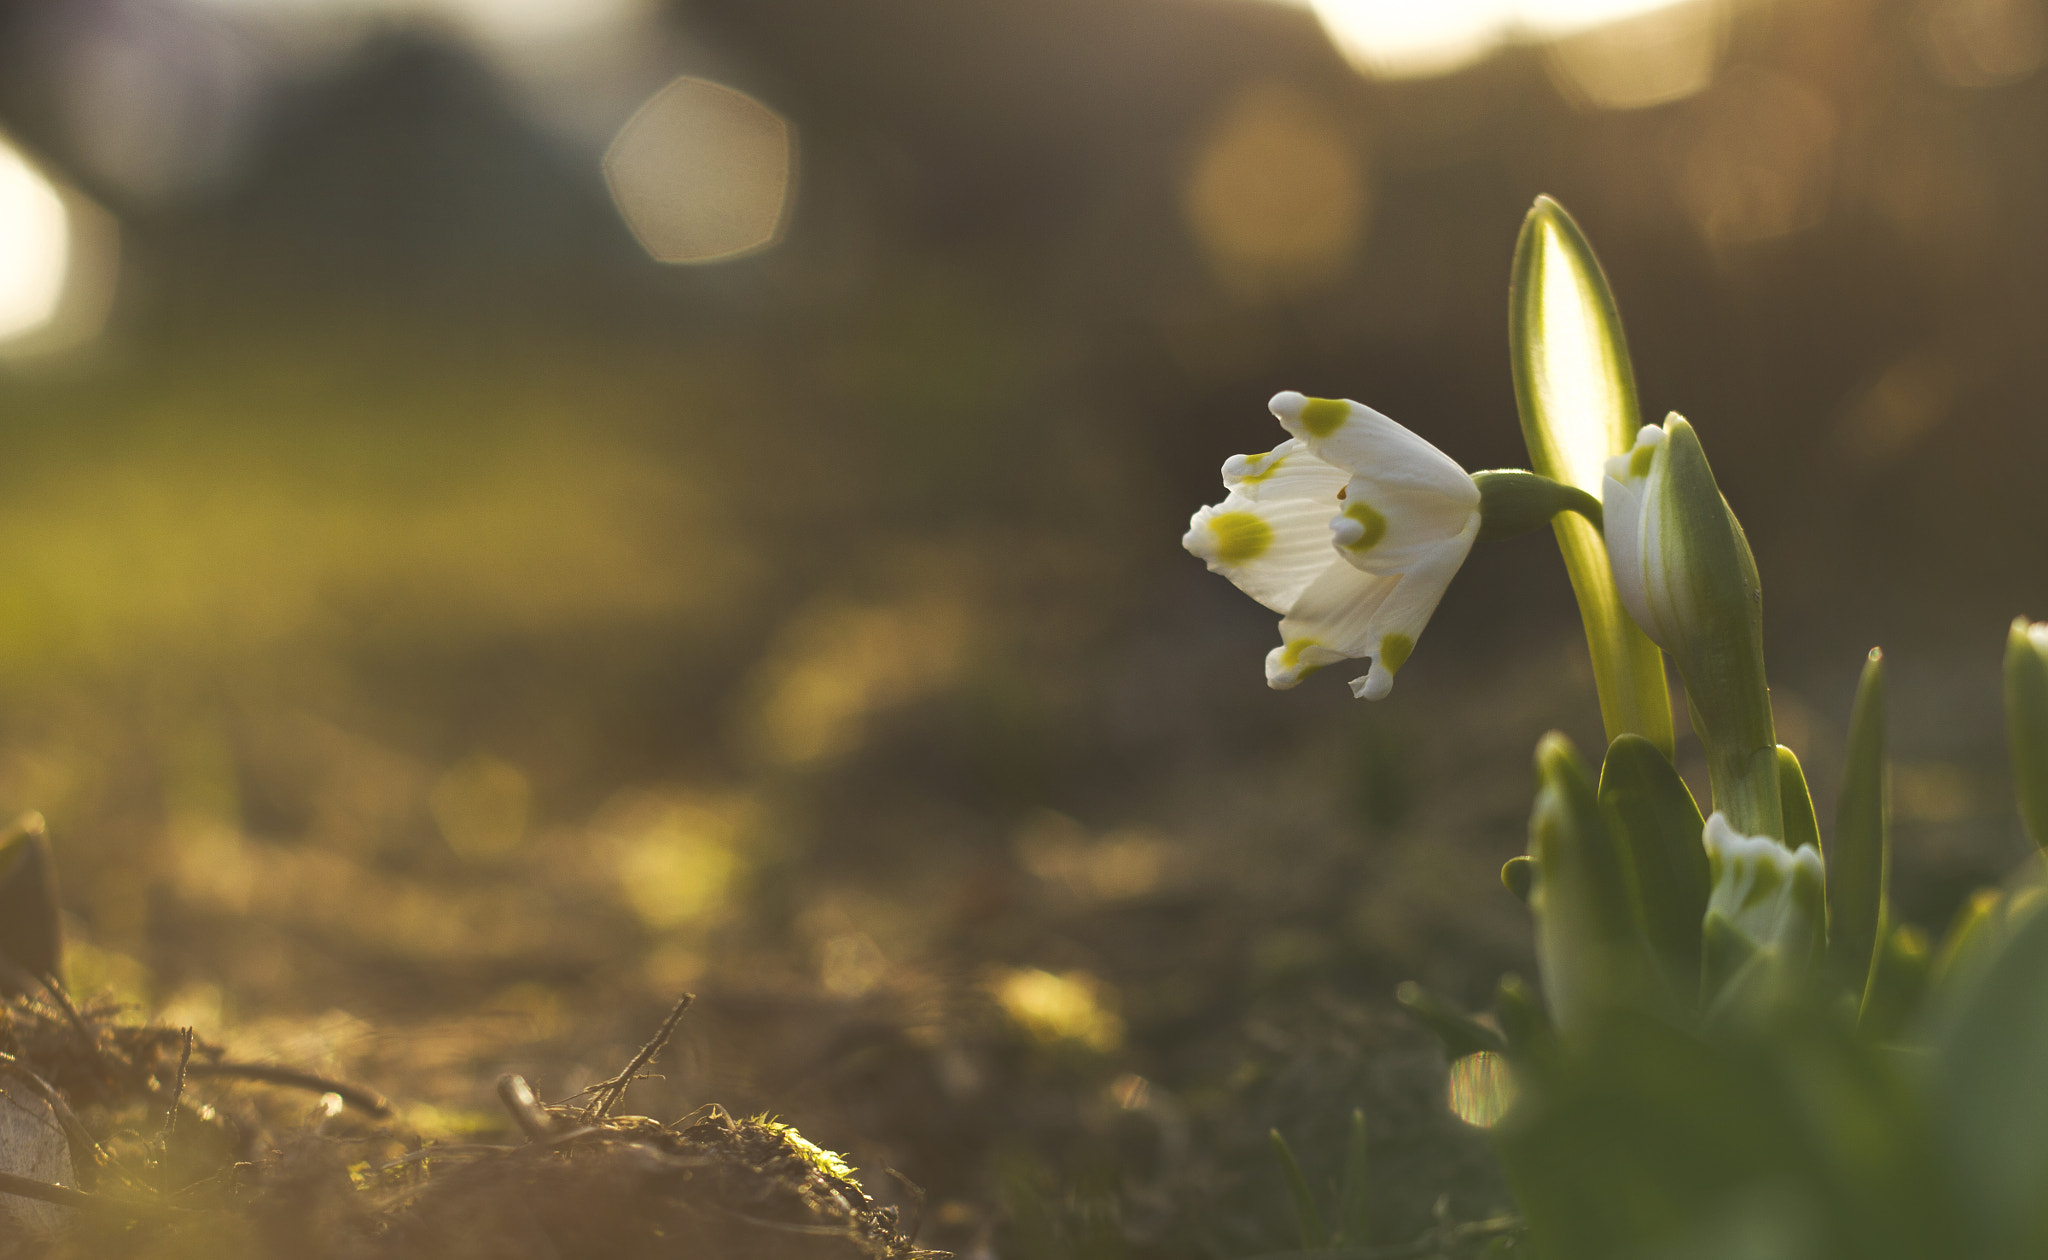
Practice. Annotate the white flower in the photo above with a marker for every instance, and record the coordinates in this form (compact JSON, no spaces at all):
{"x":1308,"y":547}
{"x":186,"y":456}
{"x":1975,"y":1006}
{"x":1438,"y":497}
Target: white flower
{"x":1351,"y":530}
{"x":1771,"y":895}
{"x":1633,"y":496}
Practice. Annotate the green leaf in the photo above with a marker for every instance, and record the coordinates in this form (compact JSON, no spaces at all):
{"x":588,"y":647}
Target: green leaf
{"x":1802,"y":826}
{"x":1990,"y":1040}
{"x":1460,"y":1033}
{"x":1576,"y":391}
{"x":1310,"y":1221}
{"x":1668,"y":869}
{"x":2026,"y":727}
{"x":1966,"y":935}
{"x":1659,"y":1137}
{"x":31,"y":930}
{"x":1589,"y":942}
{"x":1518,"y":875}
{"x":1860,"y":860}
{"x":1522,"y":1020}
{"x":1352,"y":1191}
{"x":1898,"y":981}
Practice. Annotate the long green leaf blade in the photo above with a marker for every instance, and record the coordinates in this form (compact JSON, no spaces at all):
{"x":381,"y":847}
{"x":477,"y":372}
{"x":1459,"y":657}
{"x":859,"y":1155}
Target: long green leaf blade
{"x":1576,"y":391}
{"x":2026,"y":727}
{"x":1353,"y":1218}
{"x":1859,"y":862}
{"x":1589,"y":938}
{"x":1990,"y":1039}
{"x":1313,"y":1236}
{"x":1802,"y":825}
{"x":1460,"y":1033}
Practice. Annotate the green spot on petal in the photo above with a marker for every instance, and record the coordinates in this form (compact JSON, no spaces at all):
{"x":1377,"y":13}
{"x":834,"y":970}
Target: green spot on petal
{"x":1368,"y":518}
{"x":1639,"y":460}
{"x":1324,"y":416}
{"x":1394,"y":650}
{"x":1262,"y":470}
{"x":1240,"y":536}
{"x":1290,"y":655}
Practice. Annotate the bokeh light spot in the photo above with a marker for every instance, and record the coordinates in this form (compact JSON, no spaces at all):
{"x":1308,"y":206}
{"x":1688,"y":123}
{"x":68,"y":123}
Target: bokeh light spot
{"x":701,"y":173}
{"x":1759,"y":164}
{"x":1983,"y":43}
{"x":678,"y":859}
{"x":1421,"y":38}
{"x":1647,"y":59}
{"x":1481,"y":1089}
{"x":35,"y":245}
{"x":481,"y":806}
{"x":1054,"y":1009}
{"x":1403,"y":38}
{"x":837,"y":663}
{"x":851,"y":964}
{"x":1277,"y":195}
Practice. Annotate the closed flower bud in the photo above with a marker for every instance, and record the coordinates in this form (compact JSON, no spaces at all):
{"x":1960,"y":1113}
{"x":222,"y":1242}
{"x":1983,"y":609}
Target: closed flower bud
{"x":1685,"y":573}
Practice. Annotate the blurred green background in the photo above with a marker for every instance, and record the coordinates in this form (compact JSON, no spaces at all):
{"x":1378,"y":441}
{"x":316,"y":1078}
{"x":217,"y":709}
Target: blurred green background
{"x":438,"y":632}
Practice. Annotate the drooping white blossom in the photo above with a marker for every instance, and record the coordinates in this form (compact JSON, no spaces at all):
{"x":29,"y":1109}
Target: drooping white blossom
{"x":1351,"y":530}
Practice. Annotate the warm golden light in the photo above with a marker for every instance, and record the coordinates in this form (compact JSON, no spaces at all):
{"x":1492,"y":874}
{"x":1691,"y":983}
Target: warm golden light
{"x":701,"y":173}
{"x":35,"y":246}
{"x":1647,"y":59}
{"x":1983,"y":43}
{"x":1412,"y":39}
{"x":1403,"y":39}
{"x":1759,"y":164}
{"x":1277,"y":194}
{"x":1058,"y":1008}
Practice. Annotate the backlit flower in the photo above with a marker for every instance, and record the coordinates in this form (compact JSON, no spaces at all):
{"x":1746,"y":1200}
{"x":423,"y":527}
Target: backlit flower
{"x":1351,"y":530}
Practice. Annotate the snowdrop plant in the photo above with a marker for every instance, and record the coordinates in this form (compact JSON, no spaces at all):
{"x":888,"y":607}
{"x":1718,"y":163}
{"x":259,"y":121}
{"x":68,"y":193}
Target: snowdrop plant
{"x":1736,"y":1051}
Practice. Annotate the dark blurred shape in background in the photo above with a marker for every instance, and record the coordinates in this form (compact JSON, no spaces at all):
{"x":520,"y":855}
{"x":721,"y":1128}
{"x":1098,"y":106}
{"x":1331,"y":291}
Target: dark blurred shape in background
{"x":430,"y":621}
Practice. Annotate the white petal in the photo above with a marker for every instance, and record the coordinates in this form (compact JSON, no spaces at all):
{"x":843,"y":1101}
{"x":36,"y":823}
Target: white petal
{"x":1766,"y":906}
{"x":1628,"y":525}
{"x":1272,"y":550}
{"x":1335,"y":619}
{"x":1399,"y":622}
{"x":1288,"y":471}
{"x":1293,"y":661}
{"x":1361,"y":441}
{"x":1394,"y":528}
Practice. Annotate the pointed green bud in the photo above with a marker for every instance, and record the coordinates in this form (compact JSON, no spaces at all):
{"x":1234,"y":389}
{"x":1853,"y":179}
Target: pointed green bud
{"x":2026,"y":722}
{"x":1589,"y":944}
{"x":1802,"y":825}
{"x":1898,"y":980}
{"x":1686,"y":575}
{"x":1512,"y":501}
{"x":1576,"y":391}
{"x":1354,"y":1190}
{"x":1660,"y":832}
{"x":1966,"y":936}
{"x":1859,"y":862}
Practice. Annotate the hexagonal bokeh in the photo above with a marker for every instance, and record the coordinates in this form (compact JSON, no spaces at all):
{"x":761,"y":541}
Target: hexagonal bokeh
{"x":701,"y":173}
